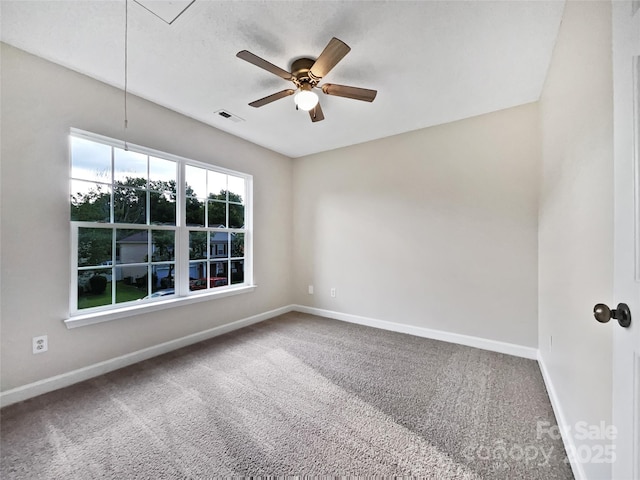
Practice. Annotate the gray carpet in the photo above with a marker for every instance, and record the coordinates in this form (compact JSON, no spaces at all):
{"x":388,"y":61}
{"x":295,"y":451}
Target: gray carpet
{"x":296,"y":395}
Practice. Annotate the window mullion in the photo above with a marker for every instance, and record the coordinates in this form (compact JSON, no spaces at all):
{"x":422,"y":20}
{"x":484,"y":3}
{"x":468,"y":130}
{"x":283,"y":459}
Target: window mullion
{"x":74,"y":268}
{"x":113,"y":265}
{"x":150,"y":284}
{"x":208,"y":265}
{"x":248,"y":236}
{"x":181,"y":280}
{"x":228,"y":247}
{"x":112,"y":216}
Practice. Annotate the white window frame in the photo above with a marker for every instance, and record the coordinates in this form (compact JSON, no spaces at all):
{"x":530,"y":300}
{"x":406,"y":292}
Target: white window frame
{"x":182,"y":295}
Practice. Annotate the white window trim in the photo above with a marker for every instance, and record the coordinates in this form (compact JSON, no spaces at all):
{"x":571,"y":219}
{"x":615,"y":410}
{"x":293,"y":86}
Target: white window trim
{"x":183,"y":296}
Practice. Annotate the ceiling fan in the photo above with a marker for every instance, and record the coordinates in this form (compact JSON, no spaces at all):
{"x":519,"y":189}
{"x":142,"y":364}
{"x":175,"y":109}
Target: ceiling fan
{"x":306,"y":74}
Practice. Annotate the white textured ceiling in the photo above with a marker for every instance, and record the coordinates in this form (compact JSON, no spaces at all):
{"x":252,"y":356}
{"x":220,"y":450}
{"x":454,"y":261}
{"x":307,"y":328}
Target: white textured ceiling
{"x":431,"y":62}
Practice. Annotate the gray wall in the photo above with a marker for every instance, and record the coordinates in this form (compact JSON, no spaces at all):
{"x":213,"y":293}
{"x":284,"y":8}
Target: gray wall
{"x":576,"y":217}
{"x":435,"y":228}
{"x":40,"y":102}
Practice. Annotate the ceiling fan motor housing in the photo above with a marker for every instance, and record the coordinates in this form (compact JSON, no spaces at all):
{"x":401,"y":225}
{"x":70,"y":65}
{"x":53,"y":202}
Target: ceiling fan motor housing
{"x":301,"y":71}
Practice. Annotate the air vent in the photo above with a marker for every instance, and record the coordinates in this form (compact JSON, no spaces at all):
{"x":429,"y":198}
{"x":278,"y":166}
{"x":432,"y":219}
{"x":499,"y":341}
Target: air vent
{"x":229,"y":116}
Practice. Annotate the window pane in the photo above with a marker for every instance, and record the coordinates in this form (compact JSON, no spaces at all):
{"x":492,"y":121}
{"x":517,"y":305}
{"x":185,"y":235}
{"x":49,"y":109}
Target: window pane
{"x":162,"y":174}
{"x":163,"y":246}
{"x":132,"y":246}
{"x":163,"y":279}
{"x":217,"y":214}
{"x":236,"y":189}
{"x":218,"y":245}
{"x":236,"y":216}
{"x":129,"y":205}
{"x":94,"y":288}
{"x":196,"y":181}
{"x":130,"y":168}
{"x":195,"y":212}
{"x":197,"y":246}
{"x":237,"y":244}
{"x":90,"y":160}
{"x":218,"y":274}
{"x":237,"y":271}
{"x":162,"y":197}
{"x":162,"y":208}
{"x":90,"y":202}
{"x":95,"y":246}
{"x":217,"y":185}
{"x":131,"y":283}
{"x":197,"y":276}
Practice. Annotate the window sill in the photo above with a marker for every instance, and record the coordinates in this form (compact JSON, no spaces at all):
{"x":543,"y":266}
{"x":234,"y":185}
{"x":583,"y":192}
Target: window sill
{"x":131,"y":310}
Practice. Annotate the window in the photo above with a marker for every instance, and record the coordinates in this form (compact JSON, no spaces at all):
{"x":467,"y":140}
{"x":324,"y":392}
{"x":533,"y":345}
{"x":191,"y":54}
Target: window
{"x":148,"y":225}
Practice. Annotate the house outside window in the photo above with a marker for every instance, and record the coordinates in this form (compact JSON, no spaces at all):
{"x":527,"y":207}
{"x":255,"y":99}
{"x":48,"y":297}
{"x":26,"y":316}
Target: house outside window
{"x":147,"y":225}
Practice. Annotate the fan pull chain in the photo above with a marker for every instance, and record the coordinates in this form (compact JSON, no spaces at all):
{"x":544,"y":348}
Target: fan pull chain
{"x":126,"y":64}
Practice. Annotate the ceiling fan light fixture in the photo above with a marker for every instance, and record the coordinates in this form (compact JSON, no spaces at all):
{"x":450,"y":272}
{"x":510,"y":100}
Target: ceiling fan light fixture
{"x":306,"y":99}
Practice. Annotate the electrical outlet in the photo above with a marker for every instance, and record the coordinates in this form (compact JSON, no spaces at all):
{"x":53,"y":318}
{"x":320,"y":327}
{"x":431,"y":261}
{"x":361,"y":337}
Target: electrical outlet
{"x":333,"y":292}
{"x":40,"y":344}
{"x":310,"y":289}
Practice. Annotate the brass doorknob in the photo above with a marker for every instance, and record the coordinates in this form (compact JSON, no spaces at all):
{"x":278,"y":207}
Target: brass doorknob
{"x":603,"y":314}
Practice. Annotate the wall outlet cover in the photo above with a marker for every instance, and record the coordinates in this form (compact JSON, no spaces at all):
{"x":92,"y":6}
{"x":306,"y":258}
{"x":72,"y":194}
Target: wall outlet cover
{"x":40,"y":344}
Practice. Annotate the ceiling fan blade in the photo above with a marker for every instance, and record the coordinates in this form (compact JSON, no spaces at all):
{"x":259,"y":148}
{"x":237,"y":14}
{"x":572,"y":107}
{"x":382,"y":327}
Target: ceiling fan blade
{"x":330,"y":56}
{"x":316,"y":113}
{"x":262,"y":63}
{"x":356,"y":93}
{"x":272,"y":98}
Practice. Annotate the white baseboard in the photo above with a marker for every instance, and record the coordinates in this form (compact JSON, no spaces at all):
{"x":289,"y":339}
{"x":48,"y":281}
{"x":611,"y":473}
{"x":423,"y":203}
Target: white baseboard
{"x":477,"y":342}
{"x":66,"y":379}
{"x":567,"y":439}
